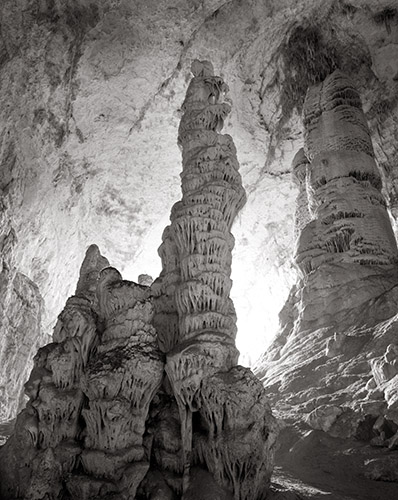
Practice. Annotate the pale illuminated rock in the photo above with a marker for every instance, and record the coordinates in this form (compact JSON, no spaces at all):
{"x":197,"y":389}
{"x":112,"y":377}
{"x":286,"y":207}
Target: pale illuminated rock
{"x":302,"y":215}
{"x":103,"y":420}
{"x":20,"y":332}
{"x":76,"y":78}
{"x":349,"y":221}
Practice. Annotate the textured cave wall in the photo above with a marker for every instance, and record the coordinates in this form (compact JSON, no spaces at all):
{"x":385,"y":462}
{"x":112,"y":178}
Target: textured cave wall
{"x":89,"y":94}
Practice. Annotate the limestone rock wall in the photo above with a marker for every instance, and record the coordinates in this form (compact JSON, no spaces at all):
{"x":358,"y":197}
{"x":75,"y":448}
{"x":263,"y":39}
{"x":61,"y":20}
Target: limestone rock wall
{"x":21,"y":332}
{"x":21,"y":308}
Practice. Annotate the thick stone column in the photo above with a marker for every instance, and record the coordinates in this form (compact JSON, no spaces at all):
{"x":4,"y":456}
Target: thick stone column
{"x":349,"y":221}
{"x":344,"y":234}
{"x":201,"y":363}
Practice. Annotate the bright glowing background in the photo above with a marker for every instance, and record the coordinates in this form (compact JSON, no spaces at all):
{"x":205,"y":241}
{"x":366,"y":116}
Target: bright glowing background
{"x":261,"y":271}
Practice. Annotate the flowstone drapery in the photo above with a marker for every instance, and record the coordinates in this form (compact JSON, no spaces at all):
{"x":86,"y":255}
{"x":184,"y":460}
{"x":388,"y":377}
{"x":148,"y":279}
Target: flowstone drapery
{"x":200,"y":228}
{"x":46,"y":444}
{"x":140,"y":396}
{"x":120,"y":381}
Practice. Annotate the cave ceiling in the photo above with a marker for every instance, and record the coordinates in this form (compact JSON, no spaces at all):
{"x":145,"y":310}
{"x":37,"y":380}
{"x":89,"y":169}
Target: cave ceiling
{"x":90,"y":96}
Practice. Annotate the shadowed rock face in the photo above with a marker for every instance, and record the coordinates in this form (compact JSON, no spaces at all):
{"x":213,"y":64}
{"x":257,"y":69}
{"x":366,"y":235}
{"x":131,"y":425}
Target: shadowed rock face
{"x":333,"y":362}
{"x":82,"y":431}
{"x":119,"y":410}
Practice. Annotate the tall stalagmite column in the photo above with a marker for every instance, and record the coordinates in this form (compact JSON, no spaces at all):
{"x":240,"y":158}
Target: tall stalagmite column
{"x":343,"y":230}
{"x":201,"y":221}
{"x":200,"y":231}
{"x":348,"y":211}
{"x":233,"y":433}
{"x":121,"y":438}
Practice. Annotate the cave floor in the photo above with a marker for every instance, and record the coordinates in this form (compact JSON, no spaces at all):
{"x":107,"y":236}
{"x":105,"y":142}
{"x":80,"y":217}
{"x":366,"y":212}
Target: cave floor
{"x":311,"y":465}
{"x":317,"y":466}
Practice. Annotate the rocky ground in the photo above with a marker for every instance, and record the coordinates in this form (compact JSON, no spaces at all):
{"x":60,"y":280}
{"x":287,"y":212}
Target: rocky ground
{"x":312,"y":465}
{"x":317,"y":466}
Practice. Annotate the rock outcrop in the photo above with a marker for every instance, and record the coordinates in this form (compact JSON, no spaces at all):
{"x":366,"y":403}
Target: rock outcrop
{"x":333,"y":362}
{"x":45,"y":445}
{"x":120,"y":381}
{"x":21,"y":307}
{"x":140,"y":396}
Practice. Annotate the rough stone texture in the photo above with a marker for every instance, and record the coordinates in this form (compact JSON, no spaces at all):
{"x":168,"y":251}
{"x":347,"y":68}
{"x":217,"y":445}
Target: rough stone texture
{"x":88,"y":119}
{"x":21,"y":334}
{"x":21,"y":307}
{"x":334,"y":361}
{"x":119,"y":410}
{"x":44,"y":447}
{"x":237,"y":446}
{"x":202,"y":245}
{"x":382,"y":469}
{"x":120,"y":381}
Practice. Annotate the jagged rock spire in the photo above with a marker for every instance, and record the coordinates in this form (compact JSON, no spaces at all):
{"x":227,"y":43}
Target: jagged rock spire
{"x":48,"y":429}
{"x":92,"y":264}
{"x":200,"y":234}
{"x":193,"y":294}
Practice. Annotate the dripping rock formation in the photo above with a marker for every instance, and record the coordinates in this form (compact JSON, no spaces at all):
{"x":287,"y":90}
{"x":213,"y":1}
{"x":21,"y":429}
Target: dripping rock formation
{"x":88,"y":122}
{"x":119,"y":408}
{"x":91,"y":97}
{"x":333,"y":364}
